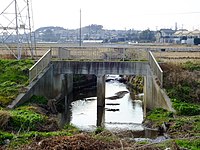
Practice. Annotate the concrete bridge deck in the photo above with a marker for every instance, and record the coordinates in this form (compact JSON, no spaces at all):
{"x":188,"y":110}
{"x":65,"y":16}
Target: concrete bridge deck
{"x":100,"y":68}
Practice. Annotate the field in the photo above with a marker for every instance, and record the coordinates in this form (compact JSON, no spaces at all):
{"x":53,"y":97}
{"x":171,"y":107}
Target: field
{"x":175,"y":53}
{"x":178,"y":57}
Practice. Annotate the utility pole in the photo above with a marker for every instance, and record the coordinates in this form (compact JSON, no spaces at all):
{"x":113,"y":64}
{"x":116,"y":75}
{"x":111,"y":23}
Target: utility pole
{"x":80,"y":42}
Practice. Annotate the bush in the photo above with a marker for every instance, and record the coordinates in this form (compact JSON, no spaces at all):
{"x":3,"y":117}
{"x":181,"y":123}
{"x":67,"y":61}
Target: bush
{"x":181,"y":92}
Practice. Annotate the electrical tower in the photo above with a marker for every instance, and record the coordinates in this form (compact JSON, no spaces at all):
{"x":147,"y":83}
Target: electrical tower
{"x":16,"y":24}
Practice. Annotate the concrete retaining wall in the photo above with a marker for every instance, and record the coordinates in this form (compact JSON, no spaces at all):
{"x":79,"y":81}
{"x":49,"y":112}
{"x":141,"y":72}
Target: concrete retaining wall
{"x":154,"y":96}
{"x":47,"y":84}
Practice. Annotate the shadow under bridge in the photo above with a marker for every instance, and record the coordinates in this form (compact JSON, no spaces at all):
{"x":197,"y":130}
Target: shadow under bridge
{"x":100,"y":69}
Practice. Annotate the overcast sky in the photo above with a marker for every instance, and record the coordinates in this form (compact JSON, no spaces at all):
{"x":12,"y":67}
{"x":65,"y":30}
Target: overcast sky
{"x":117,"y":14}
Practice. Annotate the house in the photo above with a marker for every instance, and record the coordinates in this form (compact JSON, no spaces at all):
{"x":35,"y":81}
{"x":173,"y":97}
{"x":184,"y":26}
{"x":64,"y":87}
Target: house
{"x":187,"y":37}
{"x":164,"y":36}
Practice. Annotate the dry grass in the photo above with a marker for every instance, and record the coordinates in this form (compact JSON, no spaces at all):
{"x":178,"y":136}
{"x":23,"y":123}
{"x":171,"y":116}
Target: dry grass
{"x":179,"y":57}
{"x":4,"y":118}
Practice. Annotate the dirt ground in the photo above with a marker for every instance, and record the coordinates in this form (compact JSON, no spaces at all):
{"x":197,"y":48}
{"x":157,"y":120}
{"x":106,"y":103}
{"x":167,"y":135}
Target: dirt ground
{"x":84,"y":142}
{"x":76,"y":142}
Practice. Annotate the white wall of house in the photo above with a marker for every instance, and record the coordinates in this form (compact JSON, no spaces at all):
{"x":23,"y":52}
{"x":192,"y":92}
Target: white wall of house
{"x":190,"y":41}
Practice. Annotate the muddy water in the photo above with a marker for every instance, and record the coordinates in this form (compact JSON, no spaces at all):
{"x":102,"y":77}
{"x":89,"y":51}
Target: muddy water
{"x":120,"y":114}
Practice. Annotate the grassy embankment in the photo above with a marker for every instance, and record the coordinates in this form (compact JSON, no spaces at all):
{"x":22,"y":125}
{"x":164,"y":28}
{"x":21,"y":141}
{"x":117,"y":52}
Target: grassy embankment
{"x":20,"y":125}
{"x":182,"y":83}
{"x":13,"y":77}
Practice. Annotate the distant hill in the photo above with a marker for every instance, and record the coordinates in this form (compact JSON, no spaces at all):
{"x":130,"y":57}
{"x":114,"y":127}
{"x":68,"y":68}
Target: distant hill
{"x":92,"y":28}
{"x":52,"y":28}
{"x":50,"y":34}
{"x":60,"y":34}
{"x":91,"y":32}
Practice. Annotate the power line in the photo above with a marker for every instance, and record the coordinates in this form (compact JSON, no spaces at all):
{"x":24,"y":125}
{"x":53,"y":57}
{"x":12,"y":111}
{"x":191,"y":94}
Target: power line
{"x":173,"y":13}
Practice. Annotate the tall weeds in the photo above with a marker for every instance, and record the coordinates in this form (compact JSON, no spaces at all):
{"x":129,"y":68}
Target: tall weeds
{"x":4,"y":118}
{"x":182,"y":81}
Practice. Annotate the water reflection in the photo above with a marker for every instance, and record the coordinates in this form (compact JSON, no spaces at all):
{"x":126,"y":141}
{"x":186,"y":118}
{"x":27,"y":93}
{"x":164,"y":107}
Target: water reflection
{"x":122,"y":113}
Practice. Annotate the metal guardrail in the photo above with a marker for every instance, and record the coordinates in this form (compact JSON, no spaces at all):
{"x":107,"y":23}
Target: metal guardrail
{"x":155,"y":67}
{"x":86,"y":53}
{"x":105,"y":54}
{"x":40,"y":65}
{"x":101,"y":53}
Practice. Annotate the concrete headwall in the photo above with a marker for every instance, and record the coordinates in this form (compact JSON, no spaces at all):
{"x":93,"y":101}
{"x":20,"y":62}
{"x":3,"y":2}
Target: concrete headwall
{"x":154,"y":96}
{"x":47,"y":84}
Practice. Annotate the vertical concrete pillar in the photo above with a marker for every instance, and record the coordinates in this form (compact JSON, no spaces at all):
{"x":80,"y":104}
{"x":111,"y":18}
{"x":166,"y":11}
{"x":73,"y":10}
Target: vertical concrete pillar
{"x":69,"y":83}
{"x":150,"y":99}
{"x":101,"y":91}
{"x":68,"y":88}
{"x":145,"y":97}
{"x":57,"y":85}
{"x":100,"y":99}
{"x":44,"y":86}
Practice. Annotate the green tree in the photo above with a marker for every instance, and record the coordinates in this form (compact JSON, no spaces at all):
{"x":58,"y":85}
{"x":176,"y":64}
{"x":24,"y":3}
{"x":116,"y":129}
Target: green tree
{"x":147,"y":36}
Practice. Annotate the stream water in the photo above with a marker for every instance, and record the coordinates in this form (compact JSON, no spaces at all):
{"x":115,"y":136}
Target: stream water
{"x":121,"y":113}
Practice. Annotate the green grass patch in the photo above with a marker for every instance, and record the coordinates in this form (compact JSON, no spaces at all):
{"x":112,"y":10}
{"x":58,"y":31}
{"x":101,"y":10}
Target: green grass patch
{"x":38,"y":100}
{"x":70,"y":128}
{"x":183,"y":108}
{"x":180,"y":92}
{"x":5,"y":136}
{"x":196,"y":124}
{"x":193,"y":144}
{"x":24,"y":118}
{"x":191,"y":66}
{"x":13,"y":76}
{"x":99,"y":130}
{"x":159,"y":115}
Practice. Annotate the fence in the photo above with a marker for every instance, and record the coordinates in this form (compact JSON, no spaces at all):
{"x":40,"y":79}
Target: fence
{"x":101,"y":53}
{"x":40,"y":65}
{"x":157,"y":71}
